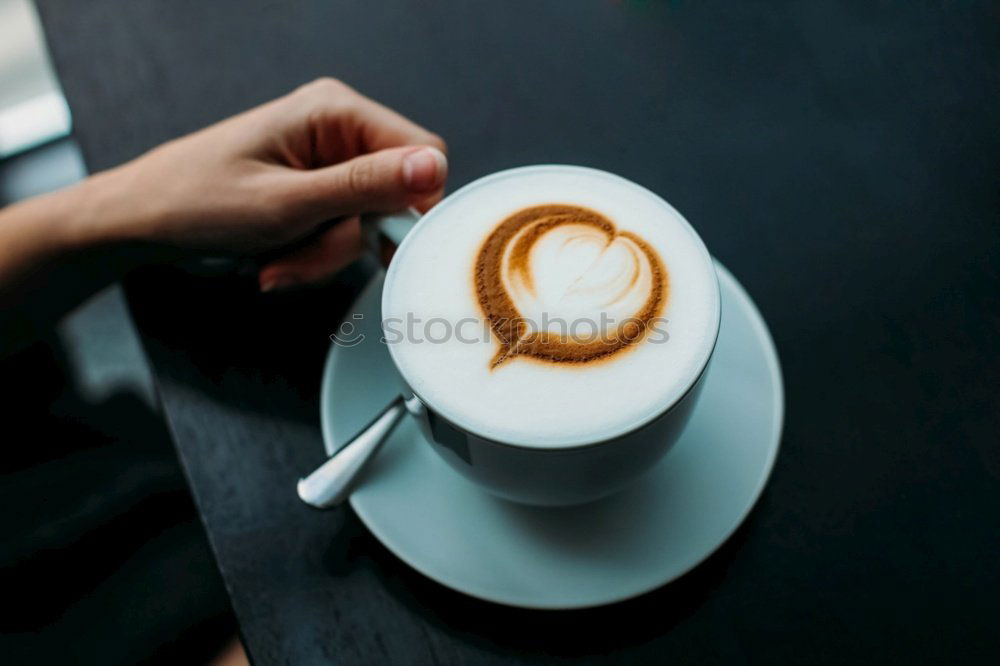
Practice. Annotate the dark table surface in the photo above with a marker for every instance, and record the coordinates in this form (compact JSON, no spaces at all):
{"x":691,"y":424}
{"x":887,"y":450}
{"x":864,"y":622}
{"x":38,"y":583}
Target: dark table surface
{"x":841,"y":159}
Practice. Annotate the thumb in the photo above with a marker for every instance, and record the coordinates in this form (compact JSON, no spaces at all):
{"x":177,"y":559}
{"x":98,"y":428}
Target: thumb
{"x":383,"y":181}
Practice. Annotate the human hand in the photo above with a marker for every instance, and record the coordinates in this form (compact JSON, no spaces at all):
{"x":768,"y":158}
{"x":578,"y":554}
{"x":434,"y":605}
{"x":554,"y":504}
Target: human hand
{"x":272,"y":176}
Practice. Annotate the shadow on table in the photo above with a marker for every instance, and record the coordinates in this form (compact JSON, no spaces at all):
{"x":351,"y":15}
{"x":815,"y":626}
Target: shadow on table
{"x":566,"y":633}
{"x":220,"y":336}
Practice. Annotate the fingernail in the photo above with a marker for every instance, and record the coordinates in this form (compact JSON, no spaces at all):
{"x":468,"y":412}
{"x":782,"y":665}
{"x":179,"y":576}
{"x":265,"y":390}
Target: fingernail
{"x":277,"y":282}
{"x":424,"y":169}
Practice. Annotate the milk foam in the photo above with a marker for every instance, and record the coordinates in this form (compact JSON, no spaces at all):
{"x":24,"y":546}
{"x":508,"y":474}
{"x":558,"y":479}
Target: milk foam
{"x":445,"y":353}
{"x":578,"y":272}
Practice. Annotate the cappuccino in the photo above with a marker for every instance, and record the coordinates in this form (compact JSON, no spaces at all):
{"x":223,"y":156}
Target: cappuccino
{"x":551,"y":307}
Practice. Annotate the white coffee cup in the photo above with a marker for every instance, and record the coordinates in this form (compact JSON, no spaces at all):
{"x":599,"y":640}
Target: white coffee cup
{"x":579,"y":470}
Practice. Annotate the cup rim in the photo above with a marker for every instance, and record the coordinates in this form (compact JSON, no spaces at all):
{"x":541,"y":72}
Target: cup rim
{"x":631,"y":429}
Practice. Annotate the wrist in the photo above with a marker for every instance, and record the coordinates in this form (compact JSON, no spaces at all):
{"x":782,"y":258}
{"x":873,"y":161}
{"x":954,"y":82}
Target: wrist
{"x":89,"y":215}
{"x":103,"y":215}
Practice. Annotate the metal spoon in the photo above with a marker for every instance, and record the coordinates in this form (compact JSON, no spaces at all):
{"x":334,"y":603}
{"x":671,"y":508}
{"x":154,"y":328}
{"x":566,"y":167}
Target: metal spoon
{"x":333,"y":481}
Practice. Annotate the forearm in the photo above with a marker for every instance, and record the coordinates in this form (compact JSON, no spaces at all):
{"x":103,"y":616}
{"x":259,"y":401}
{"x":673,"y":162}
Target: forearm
{"x":57,"y":249}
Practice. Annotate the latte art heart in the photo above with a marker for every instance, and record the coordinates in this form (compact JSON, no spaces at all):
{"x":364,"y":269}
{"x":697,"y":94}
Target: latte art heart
{"x":560,"y":283}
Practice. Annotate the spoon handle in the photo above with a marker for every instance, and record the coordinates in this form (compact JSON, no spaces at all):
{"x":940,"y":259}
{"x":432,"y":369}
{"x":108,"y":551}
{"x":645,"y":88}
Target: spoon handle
{"x":333,"y":481}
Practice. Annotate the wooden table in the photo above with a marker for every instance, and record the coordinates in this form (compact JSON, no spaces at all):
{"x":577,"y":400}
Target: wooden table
{"x":840,"y":159}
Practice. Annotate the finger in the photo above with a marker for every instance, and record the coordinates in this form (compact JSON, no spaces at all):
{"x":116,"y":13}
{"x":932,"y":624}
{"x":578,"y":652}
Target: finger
{"x":331,"y":251}
{"x":384,"y":181}
{"x":426,"y":203}
{"x":380,"y":127}
{"x":344,"y":123}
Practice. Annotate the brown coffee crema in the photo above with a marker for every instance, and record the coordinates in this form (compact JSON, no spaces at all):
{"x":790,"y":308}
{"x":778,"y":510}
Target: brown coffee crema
{"x":505,"y":259}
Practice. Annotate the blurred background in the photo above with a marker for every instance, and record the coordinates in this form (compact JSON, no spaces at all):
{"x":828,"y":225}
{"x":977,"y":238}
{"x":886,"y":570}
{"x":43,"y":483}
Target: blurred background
{"x":93,"y":504}
{"x":37,"y":155}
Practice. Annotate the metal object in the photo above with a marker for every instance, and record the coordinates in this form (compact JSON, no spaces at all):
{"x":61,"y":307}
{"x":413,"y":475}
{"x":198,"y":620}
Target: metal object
{"x":334,"y":480}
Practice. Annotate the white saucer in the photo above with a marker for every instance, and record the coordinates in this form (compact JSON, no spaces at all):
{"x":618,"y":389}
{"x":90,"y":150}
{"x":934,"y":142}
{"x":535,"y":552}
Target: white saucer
{"x":670,"y":520}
